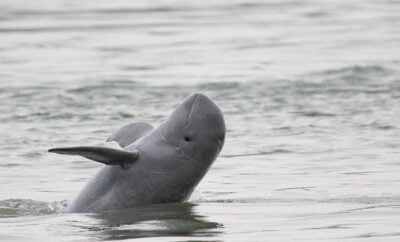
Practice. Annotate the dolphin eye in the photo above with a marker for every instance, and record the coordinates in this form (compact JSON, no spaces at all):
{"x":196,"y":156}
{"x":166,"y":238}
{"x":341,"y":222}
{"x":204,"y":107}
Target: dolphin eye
{"x":187,"y":138}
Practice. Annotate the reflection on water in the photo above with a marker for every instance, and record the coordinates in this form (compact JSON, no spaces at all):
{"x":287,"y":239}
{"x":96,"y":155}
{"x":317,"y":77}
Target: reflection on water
{"x":175,"y":219}
{"x":43,"y":221}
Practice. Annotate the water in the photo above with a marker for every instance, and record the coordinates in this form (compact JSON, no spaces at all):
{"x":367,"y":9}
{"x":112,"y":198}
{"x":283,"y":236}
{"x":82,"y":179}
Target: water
{"x":310,"y":91}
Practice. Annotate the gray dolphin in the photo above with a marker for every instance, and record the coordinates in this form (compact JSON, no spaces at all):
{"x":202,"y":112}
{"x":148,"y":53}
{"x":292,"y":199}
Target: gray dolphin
{"x":155,"y":165}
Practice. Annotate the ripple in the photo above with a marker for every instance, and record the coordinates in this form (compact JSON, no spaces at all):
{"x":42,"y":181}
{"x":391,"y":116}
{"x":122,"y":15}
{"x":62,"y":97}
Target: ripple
{"x":278,"y":151}
{"x":28,"y":207}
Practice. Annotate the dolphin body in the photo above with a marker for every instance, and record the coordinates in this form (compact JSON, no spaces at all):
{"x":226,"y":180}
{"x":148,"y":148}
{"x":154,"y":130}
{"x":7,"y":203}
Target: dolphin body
{"x":155,"y":165}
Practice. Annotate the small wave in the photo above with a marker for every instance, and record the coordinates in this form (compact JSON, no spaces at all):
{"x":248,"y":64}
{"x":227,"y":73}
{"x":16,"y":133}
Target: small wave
{"x":219,"y":86}
{"x":360,"y":70}
{"x":278,"y":151}
{"x":372,"y":202}
{"x":314,"y":114}
{"x":242,"y":200}
{"x":354,"y":74}
{"x":104,"y":86}
{"x":372,"y":235}
{"x":28,"y":207}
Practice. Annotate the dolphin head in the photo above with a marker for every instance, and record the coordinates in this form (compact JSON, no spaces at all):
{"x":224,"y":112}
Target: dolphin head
{"x":197,"y":129}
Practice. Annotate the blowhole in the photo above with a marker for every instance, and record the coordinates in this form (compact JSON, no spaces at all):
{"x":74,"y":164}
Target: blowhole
{"x":187,"y":138}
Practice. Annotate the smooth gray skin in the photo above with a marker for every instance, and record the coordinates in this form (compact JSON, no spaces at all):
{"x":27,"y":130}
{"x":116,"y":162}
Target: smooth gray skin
{"x":168,"y":167}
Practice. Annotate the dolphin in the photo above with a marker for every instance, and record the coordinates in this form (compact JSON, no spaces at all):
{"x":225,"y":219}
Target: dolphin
{"x":155,"y":165}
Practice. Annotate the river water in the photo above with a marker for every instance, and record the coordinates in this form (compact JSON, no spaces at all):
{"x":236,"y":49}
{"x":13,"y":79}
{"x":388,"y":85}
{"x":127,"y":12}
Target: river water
{"x":310,"y":91}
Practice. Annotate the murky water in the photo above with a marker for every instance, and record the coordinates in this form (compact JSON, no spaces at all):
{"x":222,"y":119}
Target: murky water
{"x":310,"y":91}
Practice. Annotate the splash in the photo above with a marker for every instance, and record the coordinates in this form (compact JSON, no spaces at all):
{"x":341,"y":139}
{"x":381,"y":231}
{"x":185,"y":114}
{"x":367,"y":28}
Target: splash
{"x":28,"y":207}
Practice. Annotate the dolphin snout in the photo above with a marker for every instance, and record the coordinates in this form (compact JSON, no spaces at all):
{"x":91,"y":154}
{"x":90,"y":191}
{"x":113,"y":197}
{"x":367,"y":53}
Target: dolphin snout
{"x":203,"y":109}
{"x":200,"y":99}
{"x":198,"y":95}
{"x":200,"y":103}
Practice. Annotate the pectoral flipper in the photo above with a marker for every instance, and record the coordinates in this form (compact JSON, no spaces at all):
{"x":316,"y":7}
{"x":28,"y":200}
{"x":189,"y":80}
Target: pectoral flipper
{"x":103,"y":155}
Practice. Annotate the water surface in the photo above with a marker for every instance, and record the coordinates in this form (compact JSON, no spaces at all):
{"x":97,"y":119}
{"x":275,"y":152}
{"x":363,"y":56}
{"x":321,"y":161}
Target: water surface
{"x":310,"y":91}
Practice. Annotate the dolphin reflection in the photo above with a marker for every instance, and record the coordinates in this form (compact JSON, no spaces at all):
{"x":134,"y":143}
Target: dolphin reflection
{"x":172,"y":219}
